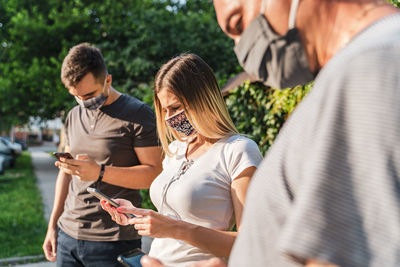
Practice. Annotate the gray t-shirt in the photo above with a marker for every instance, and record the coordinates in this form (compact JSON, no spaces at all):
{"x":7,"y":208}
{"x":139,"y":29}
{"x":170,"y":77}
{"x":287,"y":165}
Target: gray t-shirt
{"x":108,"y":136}
{"x":329,"y":188}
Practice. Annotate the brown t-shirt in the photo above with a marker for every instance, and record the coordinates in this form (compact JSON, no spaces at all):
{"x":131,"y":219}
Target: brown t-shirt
{"x":108,"y":135}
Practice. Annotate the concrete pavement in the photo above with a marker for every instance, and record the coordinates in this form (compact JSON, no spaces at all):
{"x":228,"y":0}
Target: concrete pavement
{"x":46,"y":174}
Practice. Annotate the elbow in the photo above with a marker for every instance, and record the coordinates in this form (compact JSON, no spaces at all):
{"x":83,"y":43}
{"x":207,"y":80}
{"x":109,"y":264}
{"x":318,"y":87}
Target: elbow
{"x":157,"y":170}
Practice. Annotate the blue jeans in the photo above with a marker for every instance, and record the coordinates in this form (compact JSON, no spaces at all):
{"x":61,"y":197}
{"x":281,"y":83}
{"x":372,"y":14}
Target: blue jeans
{"x":75,"y":252}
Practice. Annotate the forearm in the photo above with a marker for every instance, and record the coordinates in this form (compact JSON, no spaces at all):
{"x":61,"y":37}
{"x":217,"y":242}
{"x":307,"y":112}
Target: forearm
{"x":214,"y":241}
{"x":136,"y":177}
{"x":61,"y":192}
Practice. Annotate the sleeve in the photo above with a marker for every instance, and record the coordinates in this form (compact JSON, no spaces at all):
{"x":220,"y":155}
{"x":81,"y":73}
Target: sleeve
{"x":145,"y":128}
{"x":66,"y":129}
{"x":346,"y":208}
{"x":244,"y":153}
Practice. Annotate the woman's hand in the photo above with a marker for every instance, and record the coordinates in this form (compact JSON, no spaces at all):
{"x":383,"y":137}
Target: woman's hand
{"x":83,"y":167}
{"x":147,"y":222}
{"x":147,"y":261}
{"x":151,"y":223}
{"x":118,"y":217}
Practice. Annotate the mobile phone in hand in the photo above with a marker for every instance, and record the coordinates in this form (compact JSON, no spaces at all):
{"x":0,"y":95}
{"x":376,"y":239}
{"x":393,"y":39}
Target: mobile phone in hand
{"x":101,"y":196}
{"x":131,"y":258}
{"x":59,"y":155}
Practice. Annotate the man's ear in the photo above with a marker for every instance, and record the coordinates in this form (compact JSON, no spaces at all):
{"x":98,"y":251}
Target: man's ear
{"x":109,"y":80}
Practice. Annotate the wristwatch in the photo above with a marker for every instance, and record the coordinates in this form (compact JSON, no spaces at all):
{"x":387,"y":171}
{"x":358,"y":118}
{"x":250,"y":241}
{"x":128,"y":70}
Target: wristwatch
{"x":102,"y":169}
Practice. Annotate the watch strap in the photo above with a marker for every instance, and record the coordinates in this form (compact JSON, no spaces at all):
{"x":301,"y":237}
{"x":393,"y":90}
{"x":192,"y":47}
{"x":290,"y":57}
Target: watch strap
{"x":101,"y":174}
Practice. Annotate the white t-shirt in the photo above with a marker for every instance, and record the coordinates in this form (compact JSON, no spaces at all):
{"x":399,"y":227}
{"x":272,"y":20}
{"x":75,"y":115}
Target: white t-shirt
{"x":201,"y":194}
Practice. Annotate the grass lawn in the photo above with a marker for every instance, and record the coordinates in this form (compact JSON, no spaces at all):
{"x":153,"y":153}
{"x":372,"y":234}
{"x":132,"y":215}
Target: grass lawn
{"x":22,"y":222}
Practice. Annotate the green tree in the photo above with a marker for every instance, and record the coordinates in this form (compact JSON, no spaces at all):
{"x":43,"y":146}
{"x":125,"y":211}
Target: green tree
{"x":35,"y":36}
{"x":136,"y":37}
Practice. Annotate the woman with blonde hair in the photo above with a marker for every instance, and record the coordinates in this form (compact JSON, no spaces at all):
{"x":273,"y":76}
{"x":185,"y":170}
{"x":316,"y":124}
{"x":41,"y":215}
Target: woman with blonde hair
{"x":206,"y":171}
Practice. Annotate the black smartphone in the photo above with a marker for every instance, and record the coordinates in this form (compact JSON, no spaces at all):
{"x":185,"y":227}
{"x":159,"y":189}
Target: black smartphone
{"x":101,"y":196}
{"x":131,"y":258}
{"x":59,"y":155}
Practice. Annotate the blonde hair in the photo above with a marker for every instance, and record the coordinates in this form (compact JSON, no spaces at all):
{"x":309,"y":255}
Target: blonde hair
{"x":192,"y":81}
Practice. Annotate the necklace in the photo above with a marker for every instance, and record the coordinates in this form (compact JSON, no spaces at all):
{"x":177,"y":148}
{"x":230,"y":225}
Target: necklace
{"x":185,"y":165}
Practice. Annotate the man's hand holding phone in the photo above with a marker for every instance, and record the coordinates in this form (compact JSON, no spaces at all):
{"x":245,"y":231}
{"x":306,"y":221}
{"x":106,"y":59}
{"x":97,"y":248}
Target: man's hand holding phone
{"x":60,"y":155}
{"x":82,"y":166}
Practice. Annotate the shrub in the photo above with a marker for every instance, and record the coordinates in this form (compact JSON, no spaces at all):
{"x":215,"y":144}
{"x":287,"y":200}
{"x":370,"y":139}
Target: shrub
{"x":260,"y":112}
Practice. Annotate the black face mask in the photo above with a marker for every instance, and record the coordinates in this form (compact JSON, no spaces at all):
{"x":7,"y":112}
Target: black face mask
{"x":278,"y":61}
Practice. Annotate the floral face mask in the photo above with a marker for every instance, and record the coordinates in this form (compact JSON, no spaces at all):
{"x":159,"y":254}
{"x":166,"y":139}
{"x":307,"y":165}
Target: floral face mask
{"x":180,"y":123}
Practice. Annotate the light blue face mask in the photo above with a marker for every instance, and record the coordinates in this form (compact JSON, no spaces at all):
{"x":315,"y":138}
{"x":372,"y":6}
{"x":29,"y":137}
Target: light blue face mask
{"x":95,"y":102}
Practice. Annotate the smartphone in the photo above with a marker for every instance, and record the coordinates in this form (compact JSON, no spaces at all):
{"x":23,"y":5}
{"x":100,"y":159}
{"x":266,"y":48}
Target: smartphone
{"x":101,"y":196}
{"x":131,"y":258}
{"x":59,"y":155}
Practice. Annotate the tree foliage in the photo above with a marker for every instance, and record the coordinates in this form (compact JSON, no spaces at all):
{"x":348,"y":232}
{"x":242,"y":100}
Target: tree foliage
{"x":260,"y":112}
{"x":136,"y":37}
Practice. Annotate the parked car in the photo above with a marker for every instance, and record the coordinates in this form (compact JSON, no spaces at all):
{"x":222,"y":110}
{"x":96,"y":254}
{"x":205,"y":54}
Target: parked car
{"x":2,"y":164}
{"x":23,"y":144}
{"x":17,"y":148}
{"x":8,"y":155}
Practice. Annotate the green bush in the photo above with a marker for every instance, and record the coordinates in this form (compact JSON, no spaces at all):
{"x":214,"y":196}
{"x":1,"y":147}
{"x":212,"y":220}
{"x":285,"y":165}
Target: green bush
{"x":260,"y":112}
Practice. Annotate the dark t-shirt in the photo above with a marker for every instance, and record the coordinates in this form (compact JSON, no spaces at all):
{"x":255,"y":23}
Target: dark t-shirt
{"x":108,"y":136}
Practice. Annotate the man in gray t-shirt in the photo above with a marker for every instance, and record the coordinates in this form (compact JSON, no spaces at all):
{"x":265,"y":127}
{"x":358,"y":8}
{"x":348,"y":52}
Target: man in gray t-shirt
{"x":328,"y":191}
{"x":113,"y":140}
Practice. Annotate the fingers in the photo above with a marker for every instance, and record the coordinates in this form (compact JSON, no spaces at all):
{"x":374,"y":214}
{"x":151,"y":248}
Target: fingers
{"x":135,"y":211}
{"x":141,"y":226}
{"x":106,"y":206}
{"x":147,"y":261}
{"x":123,"y":202}
{"x":68,"y":168}
{"x":73,"y":162}
{"x":147,"y":226}
{"x":82,"y":157}
{"x":48,"y":253}
{"x":141,"y":223}
{"x":118,"y":217}
{"x":54,"y":249}
{"x":213,"y":262}
{"x":50,"y":250}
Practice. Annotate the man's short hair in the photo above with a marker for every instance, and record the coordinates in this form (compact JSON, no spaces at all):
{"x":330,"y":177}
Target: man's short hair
{"x":81,"y":60}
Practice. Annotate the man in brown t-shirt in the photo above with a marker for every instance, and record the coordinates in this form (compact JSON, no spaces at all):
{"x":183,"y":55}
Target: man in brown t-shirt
{"x":113,"y":139}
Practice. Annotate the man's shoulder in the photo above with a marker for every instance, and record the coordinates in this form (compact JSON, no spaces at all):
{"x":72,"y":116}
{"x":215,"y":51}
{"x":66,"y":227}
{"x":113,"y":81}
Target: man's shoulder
{"x":131,"y":103}
{"x":129,"y":108}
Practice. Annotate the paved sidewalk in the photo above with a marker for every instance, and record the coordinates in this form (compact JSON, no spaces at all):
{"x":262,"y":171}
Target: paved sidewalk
{"x":46,"y":174}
